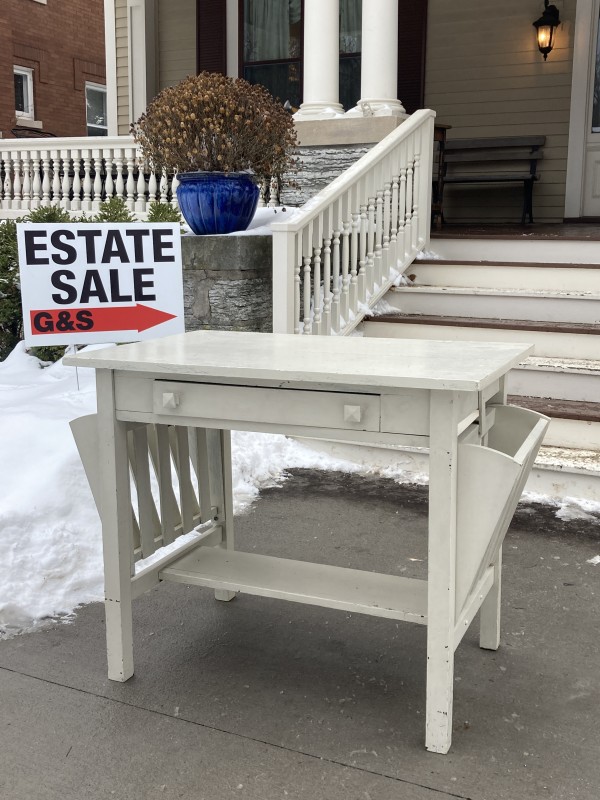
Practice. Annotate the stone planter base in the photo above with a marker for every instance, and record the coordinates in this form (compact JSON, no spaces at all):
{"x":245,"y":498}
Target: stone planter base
{"x":227,"y":282}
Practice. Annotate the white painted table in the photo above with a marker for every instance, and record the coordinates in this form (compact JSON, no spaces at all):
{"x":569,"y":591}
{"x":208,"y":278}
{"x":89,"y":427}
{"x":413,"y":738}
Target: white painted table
{"x":175,"y":400}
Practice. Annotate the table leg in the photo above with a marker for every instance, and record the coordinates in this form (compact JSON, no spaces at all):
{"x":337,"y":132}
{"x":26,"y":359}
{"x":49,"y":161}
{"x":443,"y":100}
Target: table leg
{"x":489,"y":615}
{"x":441,"y":570}
{"x":116,"y":531}
{"x":226,"y":507}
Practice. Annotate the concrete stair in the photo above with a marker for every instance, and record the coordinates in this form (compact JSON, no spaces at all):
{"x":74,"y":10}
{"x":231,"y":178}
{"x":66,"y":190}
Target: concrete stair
{"x":543,"y":292}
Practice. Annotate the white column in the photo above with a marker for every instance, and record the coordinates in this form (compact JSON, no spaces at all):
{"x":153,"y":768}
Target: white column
{"x":321,"y":61}
{"x":379,"y":61}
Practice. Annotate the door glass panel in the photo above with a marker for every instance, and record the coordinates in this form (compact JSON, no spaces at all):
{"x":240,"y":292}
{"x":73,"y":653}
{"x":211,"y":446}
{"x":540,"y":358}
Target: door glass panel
{"x":350,"y":26}
{"x":272,"y":30}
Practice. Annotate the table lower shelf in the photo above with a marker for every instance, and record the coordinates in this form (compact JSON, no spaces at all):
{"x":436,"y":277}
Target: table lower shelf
{"x":315,"y":584}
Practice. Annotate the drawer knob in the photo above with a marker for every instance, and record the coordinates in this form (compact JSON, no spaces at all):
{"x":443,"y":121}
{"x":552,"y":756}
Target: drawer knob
{"x":170,"y":399}
{"x":352,"y":413}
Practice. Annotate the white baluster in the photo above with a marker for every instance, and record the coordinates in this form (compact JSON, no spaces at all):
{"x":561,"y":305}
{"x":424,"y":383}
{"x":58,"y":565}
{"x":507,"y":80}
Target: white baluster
{"x":327,"y":295}
{"x":140,"y":188}
{"x":402,"y":208}
{"x":297,"y":282}
{"x":370,"y":260}
{"x":152,"y":186}
{"x":130,"y":184}
{"x":86,"y":203}
{"x":378,"y":257}
{"x":336,"y":288}
{"x":65,"y":189}
{"x":46,"y":184}
{"x":307,"y":295}
{"x":7,"y":185}
{"x":409,"y":201}
{"x":273,"y":192}
{"x":109,"y":183}
{"x":394,"y":220}
{"x":387,"y":216}
{"x":97,"y":186}
{"x":362,"y":263}
{"x":416,"y":201}
{"x":164,"y":187}
{"x":174,"y":185}
{"x":55,"y":193}
{"x":262,"y":194}
{"x":26,"y":160}
{"x":354,"y":259}
{"x":316,"y":328}
{"x":16,"y":202}
{"x":76,"y":201}
{"x":346,"y":278}
{"x":36,"y":180}
{"x":119,"y":184}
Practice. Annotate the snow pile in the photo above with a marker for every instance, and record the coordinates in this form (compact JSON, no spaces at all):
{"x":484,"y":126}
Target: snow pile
{"x":262,"y":221}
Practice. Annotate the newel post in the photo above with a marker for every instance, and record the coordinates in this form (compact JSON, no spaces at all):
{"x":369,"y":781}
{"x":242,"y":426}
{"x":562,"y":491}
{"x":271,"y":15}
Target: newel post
{"x":284,"y":279}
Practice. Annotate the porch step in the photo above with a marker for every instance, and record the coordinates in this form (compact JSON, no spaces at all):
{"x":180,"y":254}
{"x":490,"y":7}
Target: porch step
{"x":559,"y":378}
{"x":554,"y":339}
{"x":546,"y":276}
{"x":519,"y":248}
{"x":573,"y":424}
{"x":525,"y":304}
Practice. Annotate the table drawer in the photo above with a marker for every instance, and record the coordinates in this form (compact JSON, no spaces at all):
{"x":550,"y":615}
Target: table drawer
{"x":339,"y":410}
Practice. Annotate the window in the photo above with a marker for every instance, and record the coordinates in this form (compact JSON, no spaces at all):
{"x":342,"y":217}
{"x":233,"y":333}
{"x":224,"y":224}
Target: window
{"x":272,"y":48}
{"x":23,"y":92}
{"x":95,"y":104}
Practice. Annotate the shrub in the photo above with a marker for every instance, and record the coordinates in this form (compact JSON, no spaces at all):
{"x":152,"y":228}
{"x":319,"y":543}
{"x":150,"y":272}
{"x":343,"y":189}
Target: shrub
{"x":11,"y":322}
{"x":113,"y":210}
{"x":213,"y":123}
{"x":163,"y":212}
{"x":47,"y":214}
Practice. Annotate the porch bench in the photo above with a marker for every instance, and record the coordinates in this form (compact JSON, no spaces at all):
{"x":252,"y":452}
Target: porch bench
{"x":504,"y":159}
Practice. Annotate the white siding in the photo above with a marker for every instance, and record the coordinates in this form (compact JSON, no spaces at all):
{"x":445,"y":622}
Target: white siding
{"x":122,"y":66}
{"x":486,"y":77}
{"x":176,"y":41}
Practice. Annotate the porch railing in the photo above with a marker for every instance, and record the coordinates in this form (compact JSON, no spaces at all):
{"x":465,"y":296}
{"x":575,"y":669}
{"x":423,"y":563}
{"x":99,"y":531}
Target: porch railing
{"x":77,"y":175}
{"x":349,"y":243}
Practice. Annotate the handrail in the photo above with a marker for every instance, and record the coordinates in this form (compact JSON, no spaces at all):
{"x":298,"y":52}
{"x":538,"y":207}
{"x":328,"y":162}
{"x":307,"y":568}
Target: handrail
{"x":349,"y":243}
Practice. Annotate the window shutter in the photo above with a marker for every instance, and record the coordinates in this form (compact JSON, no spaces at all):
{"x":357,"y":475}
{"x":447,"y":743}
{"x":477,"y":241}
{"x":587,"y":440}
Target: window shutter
{"x":412,"y":36}
{"x":211,"y":47}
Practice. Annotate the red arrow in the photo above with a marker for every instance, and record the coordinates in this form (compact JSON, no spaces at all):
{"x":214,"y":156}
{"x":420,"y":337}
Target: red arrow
{"x":92,"y":320}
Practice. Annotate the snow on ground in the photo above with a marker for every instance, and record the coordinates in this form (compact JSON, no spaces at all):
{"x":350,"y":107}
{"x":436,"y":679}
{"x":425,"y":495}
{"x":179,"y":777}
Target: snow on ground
{"x":50,"y":538}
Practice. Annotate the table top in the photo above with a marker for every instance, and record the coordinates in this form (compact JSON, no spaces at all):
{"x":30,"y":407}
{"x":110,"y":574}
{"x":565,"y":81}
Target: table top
{"x":323,"y":360}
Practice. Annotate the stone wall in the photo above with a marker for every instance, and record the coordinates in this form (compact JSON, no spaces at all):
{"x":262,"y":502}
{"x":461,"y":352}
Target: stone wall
{"x":318,"y":167}
{"x":227,"y":282}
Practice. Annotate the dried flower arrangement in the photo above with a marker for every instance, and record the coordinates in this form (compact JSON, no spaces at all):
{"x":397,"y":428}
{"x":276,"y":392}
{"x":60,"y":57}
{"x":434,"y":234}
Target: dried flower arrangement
{"x":209,"y":122}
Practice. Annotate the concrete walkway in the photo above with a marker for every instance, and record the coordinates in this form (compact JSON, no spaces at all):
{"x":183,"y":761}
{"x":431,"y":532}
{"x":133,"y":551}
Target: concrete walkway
{"x":261,"y":699}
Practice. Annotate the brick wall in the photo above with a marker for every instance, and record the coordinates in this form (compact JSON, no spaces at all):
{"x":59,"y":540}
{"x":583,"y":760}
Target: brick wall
{"x":62,"y":41}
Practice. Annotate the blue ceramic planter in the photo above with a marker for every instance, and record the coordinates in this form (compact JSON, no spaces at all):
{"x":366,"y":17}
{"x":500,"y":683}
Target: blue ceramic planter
{"x":217,"y":202}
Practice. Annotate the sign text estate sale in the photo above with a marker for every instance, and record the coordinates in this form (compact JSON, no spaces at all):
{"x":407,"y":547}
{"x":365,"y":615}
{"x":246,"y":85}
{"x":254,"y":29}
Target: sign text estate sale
{"x":100,"y":282}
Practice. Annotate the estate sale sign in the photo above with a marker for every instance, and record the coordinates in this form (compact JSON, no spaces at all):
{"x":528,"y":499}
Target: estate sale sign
{"x":90,"y":283}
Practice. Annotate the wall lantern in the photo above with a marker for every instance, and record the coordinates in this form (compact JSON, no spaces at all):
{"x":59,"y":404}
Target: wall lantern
{"x":545,"y":27}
